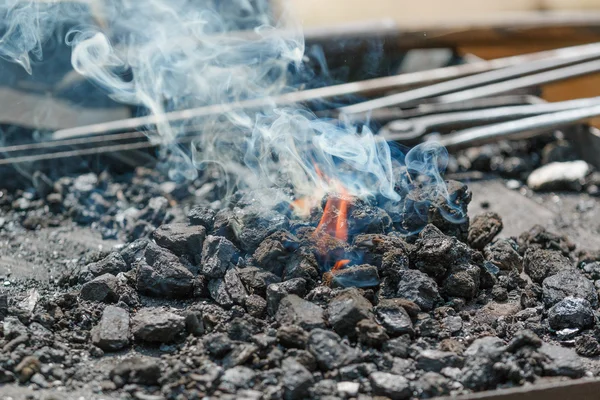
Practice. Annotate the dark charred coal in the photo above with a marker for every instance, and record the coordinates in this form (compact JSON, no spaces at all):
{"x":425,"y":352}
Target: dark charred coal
{"x":238,"y":301}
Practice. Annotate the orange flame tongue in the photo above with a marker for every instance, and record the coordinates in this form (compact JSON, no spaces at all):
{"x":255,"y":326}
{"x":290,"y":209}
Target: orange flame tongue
{"x":335,"y":217}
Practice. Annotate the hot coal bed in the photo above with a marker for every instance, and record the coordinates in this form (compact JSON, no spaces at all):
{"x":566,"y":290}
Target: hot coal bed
{"x":354,"y":298}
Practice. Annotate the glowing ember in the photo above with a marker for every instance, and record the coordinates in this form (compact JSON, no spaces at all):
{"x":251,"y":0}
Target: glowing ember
{"x":340,"y":264}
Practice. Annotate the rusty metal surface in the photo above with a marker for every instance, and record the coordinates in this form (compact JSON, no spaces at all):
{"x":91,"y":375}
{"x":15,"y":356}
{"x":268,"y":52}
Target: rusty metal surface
{"x":567,"y":390}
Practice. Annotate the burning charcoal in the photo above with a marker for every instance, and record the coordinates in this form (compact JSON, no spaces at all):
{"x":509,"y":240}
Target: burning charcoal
{"x":346,"y":310}
{"x":277,"y":291}
{"x":388,"y":253}
{"x":218,"y":292}
{"x":293,"y":310}
{"x":296,"y":380}
{"x":329,"y":350}
{"x":568,"y":283}
{"x":571,"y":313}
{"x":483,"y":229}
{"x":163,"y":275}
{"x":561,"y":361}
{"x":292,"y":336}
{"x":235,"y":288}
{"x":203,"y":216}
{"x":504,"y":255}
{"x":111,"y":264}
{"x":587,"y":346}
{"x":394,"y":318}
{"x":181,"y":239}
{"x":419,"y":288}
{"x":101,"y":289}
{"x":302,"y":264}
{"x":435,"y":360}
{"x":137,"y":370}
{"x":134,"y":251}
{"x":434,"y":253}
{"x":362,"y":276}
{"x":156,"y":325}
{"x":462,"y":281}
{"x":256,"y":223}
{"x":256,"y":280}
{"x":218,"y":255}
{"x":256,"y":306}
{"x":112,"y":332}
{"x":274,"y":252}
{"x":389,"y":385}
{"x":568,"y":175}
{"x":371,"y":334}
{"x":539,"y":237}
{"x":540,"y":264}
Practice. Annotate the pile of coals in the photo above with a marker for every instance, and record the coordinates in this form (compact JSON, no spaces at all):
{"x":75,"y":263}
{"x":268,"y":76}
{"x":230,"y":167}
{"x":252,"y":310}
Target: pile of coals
{"x":120,"y":206}
{"x":253,"y":303}
{"x":543,"y":164}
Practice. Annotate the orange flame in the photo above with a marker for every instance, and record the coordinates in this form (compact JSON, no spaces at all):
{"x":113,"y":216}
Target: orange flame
{"x":340,"y":264}
{"x":335,"y":217}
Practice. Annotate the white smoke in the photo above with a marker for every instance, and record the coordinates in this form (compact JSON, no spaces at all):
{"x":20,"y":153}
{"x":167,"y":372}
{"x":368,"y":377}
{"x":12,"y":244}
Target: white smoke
{"x":169,"y":55}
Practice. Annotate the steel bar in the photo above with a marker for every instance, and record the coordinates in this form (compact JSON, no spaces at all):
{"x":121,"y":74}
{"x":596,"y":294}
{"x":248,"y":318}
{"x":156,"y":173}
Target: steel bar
{"x":364,"y":88}
{"x":526,"y":81}
{"x":520,"y":129}
{"x":414,"y":128}
{"x":569,"y":55}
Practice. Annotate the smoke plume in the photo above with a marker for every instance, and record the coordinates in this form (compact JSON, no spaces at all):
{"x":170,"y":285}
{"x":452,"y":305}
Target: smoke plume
{"x":169,"y":55}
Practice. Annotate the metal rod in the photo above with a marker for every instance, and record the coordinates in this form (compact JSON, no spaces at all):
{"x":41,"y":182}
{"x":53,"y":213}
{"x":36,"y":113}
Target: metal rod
{"x":568,"y":55}
{"x":526,"y":81}
{"x":367,"y":87}
{"x":520,"y":129}
{"x":410,"y":129}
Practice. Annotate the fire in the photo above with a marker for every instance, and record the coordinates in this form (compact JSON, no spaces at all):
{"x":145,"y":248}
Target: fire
{"x":335,"y":217}
{"x":340,"y":264}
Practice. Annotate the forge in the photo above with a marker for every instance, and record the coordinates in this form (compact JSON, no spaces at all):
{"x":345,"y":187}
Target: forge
{"x":204,"y":200}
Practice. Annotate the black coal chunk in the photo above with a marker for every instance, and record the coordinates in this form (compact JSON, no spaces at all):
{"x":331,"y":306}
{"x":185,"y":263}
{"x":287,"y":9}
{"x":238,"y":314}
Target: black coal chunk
{"x":539,"y":238}
{"x":371,"y":333}
{"x":419,"y":288}
{"x":390,"y":385}
{"x":181,"y":239}
{"x":156,"y":325}
{"x":346,"y":310}
{"x":329,"y":350}
{"x":503,"y":253}
{"x":161,"y":274}
{"x":388,"y":253}
{"x":294,"y":310}
{"x":111,"y":264}
{"x":134,"y":251}
{"x":362,"y":276}
{"x":292,"y":336}
{"x":394,"y":318}
{"x":568,"y":283}
{"x":257,"y":280}
{"x":540,"y":264}
{"x":296,"y":380}
{"x":137,"y":370}
{"x":218,"y":255}
{"x":462,"y":281}
{"x":277,"y":291}
{"x":101,"y":289}
{"x":483,"y":229}
{"x":112,"y":332}
{"x":203,"y":216}
{"x":273,"y":253}
{"x":302,"y":264}
{"x":256,"y":223}
{"x":571,"y":313}
{"x":436,"y":360}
